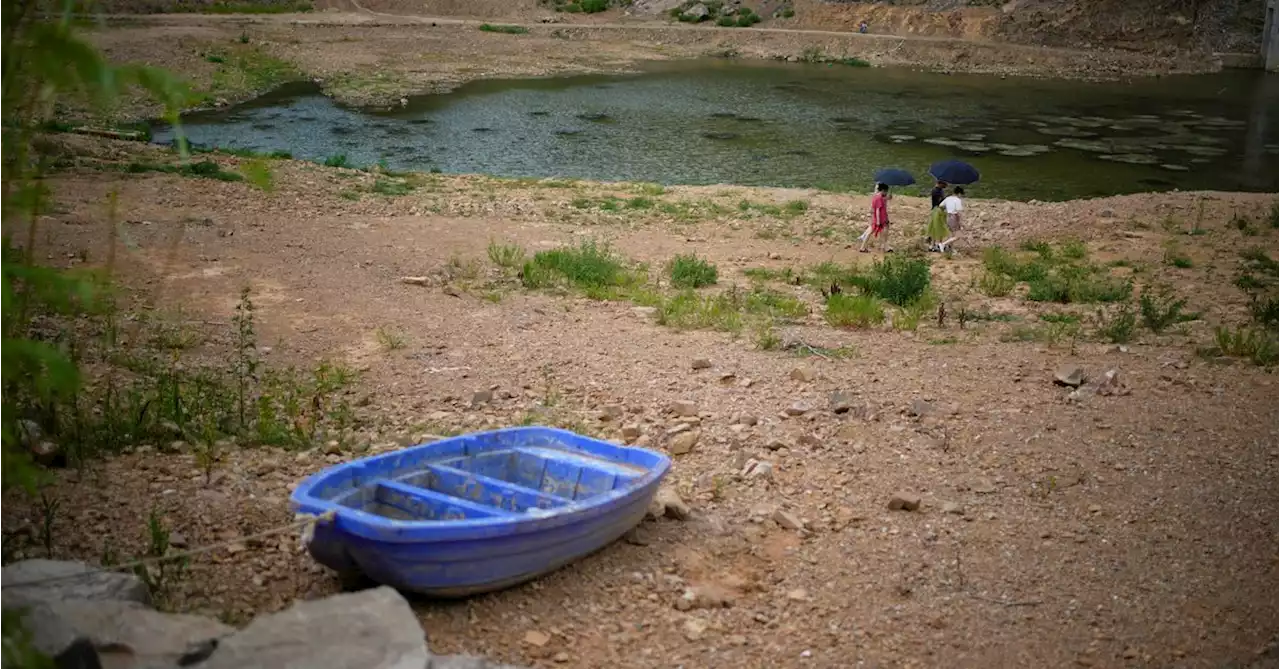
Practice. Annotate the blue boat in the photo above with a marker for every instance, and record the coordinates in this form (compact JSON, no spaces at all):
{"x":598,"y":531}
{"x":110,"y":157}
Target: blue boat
{"x":478,"y":512}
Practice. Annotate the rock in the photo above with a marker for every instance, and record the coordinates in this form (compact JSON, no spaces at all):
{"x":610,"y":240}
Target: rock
{"x":921,"y":407}
{"x":709,"y":596}
{"x":462,"y":662}
{"x":803,"y":374}
{"x":536,"y":638}
{"x":787,"y":520}
{"x":631,"y":432}
{"x":333,"y":447}
{"x":776,"y":445}
{"x":799,"y":408}
{"x":177,"y":539}
{"x":841,"y":402}
{"x":952,"y":508}
{"x":644,"y":312}
{"x":668,"y":503}
{"x":126,"y":633}
{"x":370,"y":629}
{"x":612,"y":412}
{"x":1069,"y":375}
{"x":48,"y":454}
{"x":727,"y":378}
{"x":416,"y":280}
{"x":744,"y":419}
{"x":758,"y":469}
{"x":481,"y":398}
{"x":798,"y":595}
{"x":701,"y":363}
{"x":695,"y":628}
{"x":683,"y":443}
{"x":684,"y":408}
{"x":904,"y":501}
{"x":809,"y":440}
{"x":56,"y":638}
{"x":696,"y":13}
{"x":94,"y":585}
{"x":848,"y":432}
{"x":1110,"y":384}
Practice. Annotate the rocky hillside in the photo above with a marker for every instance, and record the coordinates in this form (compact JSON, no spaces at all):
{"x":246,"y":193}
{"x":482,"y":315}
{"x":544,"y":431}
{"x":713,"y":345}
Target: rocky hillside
{"x":1153,"y":25}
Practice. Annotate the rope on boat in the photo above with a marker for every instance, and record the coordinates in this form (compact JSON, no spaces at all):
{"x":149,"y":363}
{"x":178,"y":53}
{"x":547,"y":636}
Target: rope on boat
{"x":302,"y":521}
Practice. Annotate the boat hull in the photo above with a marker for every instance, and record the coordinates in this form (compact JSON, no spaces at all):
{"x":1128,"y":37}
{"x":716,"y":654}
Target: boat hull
{"x":461,"y":557}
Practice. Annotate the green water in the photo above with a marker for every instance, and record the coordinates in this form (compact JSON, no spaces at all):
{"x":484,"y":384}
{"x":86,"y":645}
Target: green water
{"x":703,"y":122}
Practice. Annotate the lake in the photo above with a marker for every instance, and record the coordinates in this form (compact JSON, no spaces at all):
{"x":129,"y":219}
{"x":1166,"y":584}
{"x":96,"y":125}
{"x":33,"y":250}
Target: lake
{"x":794,"y":124}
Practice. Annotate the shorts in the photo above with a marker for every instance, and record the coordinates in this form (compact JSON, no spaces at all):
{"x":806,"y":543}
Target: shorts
{"x":953,"y":222}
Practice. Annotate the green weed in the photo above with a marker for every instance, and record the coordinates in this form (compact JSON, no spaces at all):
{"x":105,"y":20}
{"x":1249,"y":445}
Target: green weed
{"x":1118,"y":327}
{"x":590,"y":267}
{"x":1255,"y":345}
{"x":337,"y":160}
{"x":690,"y":271}
{"x":854,"y":311}
{"x":993,"y":284}
{"x":392,"y":187}
{"x":506,"y":256}
{"x":390,"y":340}
{"x":898,"y":279}
{"x":1160,"y":309}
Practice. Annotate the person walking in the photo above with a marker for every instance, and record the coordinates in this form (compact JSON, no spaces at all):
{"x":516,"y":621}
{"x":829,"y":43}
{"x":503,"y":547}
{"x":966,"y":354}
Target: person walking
{"x":953,"y":205}
{"x":936,"y":230}
{"x":879,"y":219}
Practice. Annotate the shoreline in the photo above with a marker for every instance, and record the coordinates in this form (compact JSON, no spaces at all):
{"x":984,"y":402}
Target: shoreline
{"x":444,"y":53}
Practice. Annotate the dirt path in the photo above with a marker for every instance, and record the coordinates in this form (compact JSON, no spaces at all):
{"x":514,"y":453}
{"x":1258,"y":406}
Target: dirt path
{"x":1134,"y":529}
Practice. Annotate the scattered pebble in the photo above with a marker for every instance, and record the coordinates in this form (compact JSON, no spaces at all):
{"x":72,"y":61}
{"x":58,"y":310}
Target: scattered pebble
{"x":684,"y":408}
{"x":799,"y":408}
{"x":701,"y":363}
{"x":803,"y":374}
{"x":683,"y":442}
{"x":1069,"y":375}
{"x":788,"y":520}
{"x":904,"y":501}
{"x":536,"y":638}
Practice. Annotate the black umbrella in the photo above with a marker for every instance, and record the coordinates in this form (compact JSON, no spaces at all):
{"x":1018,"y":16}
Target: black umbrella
{"x":892,"y":176}
{"x":954,"y":172}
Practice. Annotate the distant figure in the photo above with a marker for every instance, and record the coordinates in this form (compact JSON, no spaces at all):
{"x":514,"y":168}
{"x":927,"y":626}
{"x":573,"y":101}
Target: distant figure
{"x":862,"y":27}
{"x":879,"y":219}
{"x":936,"y":230}
{"x":952,"y":205}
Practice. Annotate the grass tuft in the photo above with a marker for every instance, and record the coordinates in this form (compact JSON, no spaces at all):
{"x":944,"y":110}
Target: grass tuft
{"x":690,"y":271}
{"x":858,"y":311}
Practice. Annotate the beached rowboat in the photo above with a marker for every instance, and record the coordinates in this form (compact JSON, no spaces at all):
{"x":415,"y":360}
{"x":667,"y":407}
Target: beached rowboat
{"x":478,"y":512}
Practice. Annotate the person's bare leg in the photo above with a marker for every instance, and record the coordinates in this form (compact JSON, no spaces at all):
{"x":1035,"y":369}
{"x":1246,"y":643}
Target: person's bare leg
{"x":943,"y":245}
{"x":866,"y":235}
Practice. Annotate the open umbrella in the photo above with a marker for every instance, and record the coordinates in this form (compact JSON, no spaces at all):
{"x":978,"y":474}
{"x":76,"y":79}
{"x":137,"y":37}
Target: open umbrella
{"x":892,"y":176}
{"x":954,"y":172}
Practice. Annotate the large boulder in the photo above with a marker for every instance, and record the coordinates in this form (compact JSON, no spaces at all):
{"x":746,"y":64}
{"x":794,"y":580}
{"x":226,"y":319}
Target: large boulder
{"x":128,"y":634}
{"x":372,"y":629}
{"x":54,"y":580}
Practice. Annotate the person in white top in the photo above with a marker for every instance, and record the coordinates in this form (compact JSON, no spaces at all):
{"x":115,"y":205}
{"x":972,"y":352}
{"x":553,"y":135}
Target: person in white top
{"x":953,"y":205}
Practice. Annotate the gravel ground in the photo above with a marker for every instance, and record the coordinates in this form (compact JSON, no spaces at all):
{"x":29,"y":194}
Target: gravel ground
{"x":1133,"y":528}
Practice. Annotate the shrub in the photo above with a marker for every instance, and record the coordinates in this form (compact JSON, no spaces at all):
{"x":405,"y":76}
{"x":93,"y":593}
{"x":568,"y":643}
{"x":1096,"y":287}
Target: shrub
{"x":1264,"y":311}
{"x":506,"y":256}
{"x":854,"y":311}
{"x":854,"y":62}
{"x":726,"y":21}
{"x":1258,"y":346}
{"x":1118,"y":327}
{"x":691,"y":311}
{"x":899,"y":279}
{"x":993,"y":284}
{"x":788,"y":13}
{"x":690,"y":271}
{"x":337,"y":160}
{"x":1160,"y":309}
{"x":747,"y":19}
{"x":593,"y":6}
{"x":589,"y":267}
{"x":393,"y":187}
